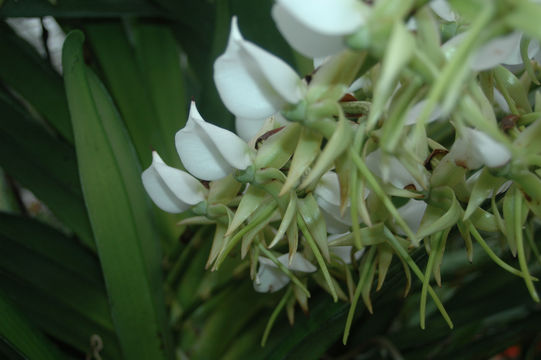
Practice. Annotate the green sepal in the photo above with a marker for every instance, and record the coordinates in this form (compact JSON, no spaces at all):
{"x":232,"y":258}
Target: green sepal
{"x":278,"y":148}
{"x":385,"y":257}
{"x":508,"y":83}
{"x":483,"y":188}
{"x":308,"y":148}
{"x":443,"y":211}
{"x":218,"y":242}
{"x":512,"y":199}
{"x":223,"y":190}
{"x":252,"y":199}
{"x":309,"y":210}
{"x":287,"y":220}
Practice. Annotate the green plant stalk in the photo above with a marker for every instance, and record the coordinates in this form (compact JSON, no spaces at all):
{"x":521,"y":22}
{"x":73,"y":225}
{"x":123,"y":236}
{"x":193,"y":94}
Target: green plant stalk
{"x":321,"y":262}
{"x":354,"y":196}
{"x":405,"y":256}
{"x":274,"y":315}
{"x":449,"y":72}
{"x":284,"y":269}
{"x":362,"y":279}
{"x":373,"y":183}
{"x":238,"y":236}
{"x":520,"y":245}
{"x":492,"y":255}
{"x":426,"y":282}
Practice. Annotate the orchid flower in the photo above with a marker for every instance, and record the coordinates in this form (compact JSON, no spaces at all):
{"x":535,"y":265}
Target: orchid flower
{"x":208,"y":151}
{"x":171,"y":189}
{"x":253,"y":83}
{"x":270,"y":278}
{"x":317,"y":28}
{"x":412,"y":213}
{"x":475,"y":148}
{"x":327,"y":194}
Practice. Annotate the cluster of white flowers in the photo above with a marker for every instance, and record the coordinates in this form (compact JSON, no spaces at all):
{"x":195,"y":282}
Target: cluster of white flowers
{"x":330,"y":166}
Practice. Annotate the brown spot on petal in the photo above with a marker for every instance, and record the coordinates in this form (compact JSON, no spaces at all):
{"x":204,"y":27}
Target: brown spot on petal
{"x":434,"y":153}
{"x":410,"y":187}
{"x":348,"y":97}
{"x":267,"y":135}
{"x":508,"y":122}
{"x":461,"y":163}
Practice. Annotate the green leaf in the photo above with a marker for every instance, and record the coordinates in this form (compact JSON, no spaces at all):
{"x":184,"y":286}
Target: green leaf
{"x":119,"y":211}
{"x":443,"y":211}
{"x":483,"y":188}
{"x":79,"y":8}
{"x":27,"y":73}
{"x":22,"y":335}
{"x":44,"y":165}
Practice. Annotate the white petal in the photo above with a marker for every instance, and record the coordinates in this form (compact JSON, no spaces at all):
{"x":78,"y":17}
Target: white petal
{"x":412,"y":213}
{"x":248,"y":128}
{"x":304,"y":39}
{"x":344,"y":253}
{"x":298,"y":263}
{"x":208,"y":151}
{"x":330,"y":17}
{"x":490,"y":152}
{"x":398,"y":174}
{"x":515,"y":58}
{"x":269,"y":279}
{"x":443,"y":10}
{"x":415,"y":111}
{"x":252,"y":82}
{"x":171,"y":189}
{"x":328,"y":188}
{"x":496,"y":51}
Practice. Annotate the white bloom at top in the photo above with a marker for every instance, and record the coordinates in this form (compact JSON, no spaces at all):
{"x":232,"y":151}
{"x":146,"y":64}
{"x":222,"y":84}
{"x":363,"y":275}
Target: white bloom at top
{"x":270,"y":278}
{"x":443,"y":10}
{"x":171,"y":189}
{"x":252,"y":82}
{"x":475,"y":148}
{"x":316,"y":28}
{"x":209,"y":152}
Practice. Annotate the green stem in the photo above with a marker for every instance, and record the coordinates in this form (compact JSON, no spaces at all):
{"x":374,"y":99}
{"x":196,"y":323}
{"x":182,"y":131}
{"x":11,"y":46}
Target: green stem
{"x":284,"y":269}
{"x":321,"y":262}
{"x":517,"y":213}
{"x":426,"y":282}
{"x":238,"y":236}
{"x":374,"y":185}
{"x":492,"y":255}
{"x":362,"y":279}
{"x":274,"y":315}
{"x":405,"y":256}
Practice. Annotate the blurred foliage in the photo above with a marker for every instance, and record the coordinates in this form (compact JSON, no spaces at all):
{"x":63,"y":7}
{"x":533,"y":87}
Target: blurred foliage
{"x":100,"y":271}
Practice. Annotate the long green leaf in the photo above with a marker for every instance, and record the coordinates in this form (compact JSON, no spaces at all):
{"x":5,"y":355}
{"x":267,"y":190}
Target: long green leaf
{"x":26,"y":72}
{"x":120,"y":214}
{"x":21,"y":335}
{"x":44,"y":165}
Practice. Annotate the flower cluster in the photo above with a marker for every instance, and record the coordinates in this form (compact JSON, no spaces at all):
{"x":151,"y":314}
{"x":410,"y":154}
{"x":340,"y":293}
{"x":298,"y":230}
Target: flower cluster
{"x":339,"y":172}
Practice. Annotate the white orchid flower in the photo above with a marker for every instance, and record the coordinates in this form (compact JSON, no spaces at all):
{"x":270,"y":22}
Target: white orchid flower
{"x":209,"y":152}
{"x":171,"y":189}
{"x":474,"y":149}
{"x":317,"y":28}
{"x":412,"y":213}
{"x":252,"y":82}
{"x":398,"y":175}
{"x":327,"y":194}
{"x":247,"y":129}
{"x":270,"y":278}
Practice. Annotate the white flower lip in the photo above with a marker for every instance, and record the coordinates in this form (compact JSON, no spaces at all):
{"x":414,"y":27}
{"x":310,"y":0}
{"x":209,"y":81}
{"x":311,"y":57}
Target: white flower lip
{"x":171,"y":189}
{"x":327,"y":194}
{"x":399,"y":176}
{"x":317,"y":28}
{"x":270,"y":278}
{"x":475,"y":149}
{"x":209,"y":152}
{"x":252,"y":82}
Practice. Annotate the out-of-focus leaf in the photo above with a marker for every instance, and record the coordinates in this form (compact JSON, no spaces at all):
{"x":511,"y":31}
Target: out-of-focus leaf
{"x":121,"y":215}
{"x":44,"y":165}
{"x":159,"y":62}
{"x":79,"y":8}
{"x":55,"y":281}
{"x":22,"y":336}
{"x":32,"y":78}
